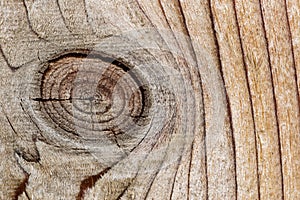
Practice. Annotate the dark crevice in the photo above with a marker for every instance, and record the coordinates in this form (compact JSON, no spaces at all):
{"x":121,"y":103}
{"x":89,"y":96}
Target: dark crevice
{"x":81,"y":53}
{"x":225,"y":90}
{"x":250,"y":96}
{"x":26,"y":194}
{"x":57,"y":100}
{"x":175,"y":175}
{"x":146,"y":104}
{"x":189,"y":172}
{"x":274,"y":97}
{"x":90,"y":183}
{"x":122,"y":66}
{"x":53,"y":99}
{"x":89,"y":54}
{"x":22,"y":186}
{"x":29,"y":23}
{"x":233,"y":144}
{"x":123,"y":192}
{"x":205,"y":167}
{"x":10,"y":124}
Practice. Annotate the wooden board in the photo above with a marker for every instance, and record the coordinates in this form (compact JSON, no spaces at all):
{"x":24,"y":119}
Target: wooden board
{"x":136,"y":99}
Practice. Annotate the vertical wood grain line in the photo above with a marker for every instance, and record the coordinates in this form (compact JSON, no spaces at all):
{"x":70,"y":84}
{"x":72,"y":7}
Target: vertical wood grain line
{"x":250,"y":95}
{"x":274,"y":98}
{"x":203,"y":107}
{"x":226,"y":93}
{"x":292,"y":51}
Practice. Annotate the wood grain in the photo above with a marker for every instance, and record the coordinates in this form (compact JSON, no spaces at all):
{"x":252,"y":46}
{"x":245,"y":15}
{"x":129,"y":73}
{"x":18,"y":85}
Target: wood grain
{"x":136,"y":99}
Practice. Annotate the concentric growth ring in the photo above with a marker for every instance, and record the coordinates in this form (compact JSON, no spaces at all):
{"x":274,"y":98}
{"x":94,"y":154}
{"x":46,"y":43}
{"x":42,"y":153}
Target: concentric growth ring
{"x":90,"y":95}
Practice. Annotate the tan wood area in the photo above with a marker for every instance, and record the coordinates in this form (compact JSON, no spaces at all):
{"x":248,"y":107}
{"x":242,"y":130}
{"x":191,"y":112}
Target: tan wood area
{"x":149,"y":99}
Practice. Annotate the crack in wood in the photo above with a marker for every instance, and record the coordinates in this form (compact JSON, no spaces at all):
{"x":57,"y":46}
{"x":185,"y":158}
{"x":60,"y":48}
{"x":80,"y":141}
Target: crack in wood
{"x":90,"y":182}
{"x":22,"y":186}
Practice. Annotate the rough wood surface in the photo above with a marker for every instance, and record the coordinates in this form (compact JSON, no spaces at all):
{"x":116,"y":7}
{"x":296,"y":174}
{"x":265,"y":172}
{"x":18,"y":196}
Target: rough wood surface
{"x":138,"y":99}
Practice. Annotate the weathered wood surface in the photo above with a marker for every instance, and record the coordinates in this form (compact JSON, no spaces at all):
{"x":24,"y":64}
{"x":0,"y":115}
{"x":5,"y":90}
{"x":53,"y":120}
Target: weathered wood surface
{"x":147,"y":99}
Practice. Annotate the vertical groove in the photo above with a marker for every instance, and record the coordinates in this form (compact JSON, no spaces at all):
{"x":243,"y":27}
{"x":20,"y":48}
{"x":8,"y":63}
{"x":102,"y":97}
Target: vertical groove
{"x":154,"y":177}
{"x":274,"y":97}
{"x":124,"y":191}
{"x":293,"y":53}
{"x":189,"y":172}
{"x":180,"y":158}
{"x":226,"y":93}
{"x":250,"y":96}
{"x":194,"y":56}
{"x":233,"y":140}
{"x":175,"y":175}
{"x":203,"y":104}
{"x":205,"y":161}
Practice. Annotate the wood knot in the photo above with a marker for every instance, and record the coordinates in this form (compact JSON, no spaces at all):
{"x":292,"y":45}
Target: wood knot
{"x":89,"y":96}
